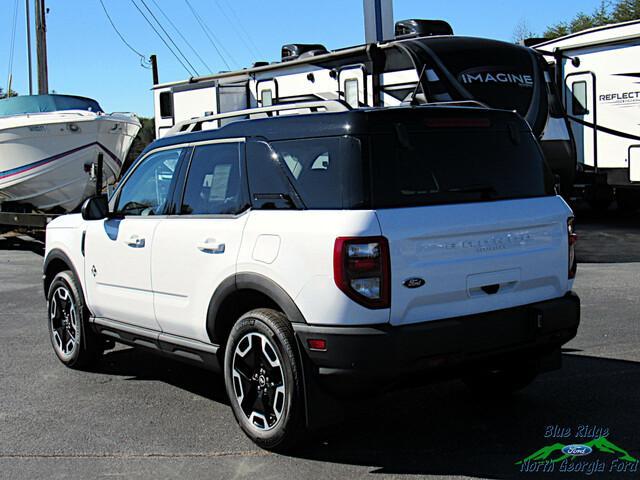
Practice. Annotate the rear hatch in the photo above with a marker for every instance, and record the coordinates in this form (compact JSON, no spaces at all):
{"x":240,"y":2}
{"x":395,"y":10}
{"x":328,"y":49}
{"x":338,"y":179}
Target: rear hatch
{"x":468,"y":207}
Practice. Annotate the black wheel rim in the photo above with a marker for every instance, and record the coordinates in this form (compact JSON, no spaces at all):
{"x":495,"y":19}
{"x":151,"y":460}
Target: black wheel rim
{"x":258,"y":381}
{"x":64,"y":322}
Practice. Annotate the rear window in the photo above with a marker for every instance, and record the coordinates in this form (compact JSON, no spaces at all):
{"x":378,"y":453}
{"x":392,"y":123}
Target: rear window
{"x":456,"y":165}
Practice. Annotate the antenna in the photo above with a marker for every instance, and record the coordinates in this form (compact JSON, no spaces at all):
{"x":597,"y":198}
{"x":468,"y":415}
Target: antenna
{"x":412,"y":100}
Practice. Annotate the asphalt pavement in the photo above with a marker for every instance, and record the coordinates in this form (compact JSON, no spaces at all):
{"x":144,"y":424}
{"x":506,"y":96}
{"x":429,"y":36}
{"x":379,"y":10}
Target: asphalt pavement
{"x":140,"y":416}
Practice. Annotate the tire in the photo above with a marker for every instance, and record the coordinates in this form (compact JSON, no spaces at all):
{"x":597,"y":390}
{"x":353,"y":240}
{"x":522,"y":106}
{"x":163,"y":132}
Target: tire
{"x":75,"y":345}
{"x":502,"y":382}
{"x":263,"y":379}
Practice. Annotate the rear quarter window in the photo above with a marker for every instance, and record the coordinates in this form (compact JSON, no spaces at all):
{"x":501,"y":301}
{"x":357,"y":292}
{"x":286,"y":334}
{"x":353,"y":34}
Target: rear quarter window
{"x":327,"y":173}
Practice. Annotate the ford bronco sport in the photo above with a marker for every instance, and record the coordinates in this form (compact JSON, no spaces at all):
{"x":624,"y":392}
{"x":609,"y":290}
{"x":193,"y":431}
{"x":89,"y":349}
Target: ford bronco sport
{"x":317,"y":254}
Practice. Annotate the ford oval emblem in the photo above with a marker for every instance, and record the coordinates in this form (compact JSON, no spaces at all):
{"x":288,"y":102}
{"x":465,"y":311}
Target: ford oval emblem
{"x":414,"y":282}
{"x":577,"y":450}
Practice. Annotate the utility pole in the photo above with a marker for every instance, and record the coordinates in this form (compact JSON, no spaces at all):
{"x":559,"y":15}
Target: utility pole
{"x":41,"y":47}
{"x":378,"y":20}
{"x":26,"y":4}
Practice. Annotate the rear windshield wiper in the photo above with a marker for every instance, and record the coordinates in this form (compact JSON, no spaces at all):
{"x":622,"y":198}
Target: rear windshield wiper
{"x":485,"y":189}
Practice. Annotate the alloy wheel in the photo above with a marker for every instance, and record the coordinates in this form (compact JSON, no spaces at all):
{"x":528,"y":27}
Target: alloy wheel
{"x":64,"y":322}
{"x":258,"y":381}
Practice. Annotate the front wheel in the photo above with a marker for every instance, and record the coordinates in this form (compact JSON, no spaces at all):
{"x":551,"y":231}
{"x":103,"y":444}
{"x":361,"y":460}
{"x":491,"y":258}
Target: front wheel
{"x":263,"y":379}
{"x":74,"y":343}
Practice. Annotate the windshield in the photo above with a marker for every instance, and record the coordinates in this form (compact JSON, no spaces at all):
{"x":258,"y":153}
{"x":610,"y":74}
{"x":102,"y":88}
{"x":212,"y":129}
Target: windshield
{"x":456,"y":165}
{"x":46,"y":103}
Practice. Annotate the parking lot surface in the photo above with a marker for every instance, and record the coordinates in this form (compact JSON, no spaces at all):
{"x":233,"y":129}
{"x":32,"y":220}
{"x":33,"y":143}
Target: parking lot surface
{"x":140,"y":416}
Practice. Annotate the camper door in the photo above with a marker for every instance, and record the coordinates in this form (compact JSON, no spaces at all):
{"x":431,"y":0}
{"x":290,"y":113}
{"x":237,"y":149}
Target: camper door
{"x":581,"y":109}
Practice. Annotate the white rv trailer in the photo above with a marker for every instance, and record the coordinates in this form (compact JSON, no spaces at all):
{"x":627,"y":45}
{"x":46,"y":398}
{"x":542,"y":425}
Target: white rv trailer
{"x":599,"y":74}
{"x":425,"y":62}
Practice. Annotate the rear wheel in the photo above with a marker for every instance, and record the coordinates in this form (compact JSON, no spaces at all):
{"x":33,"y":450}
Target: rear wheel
{"x":73,"y":342}
{"x":263,"y":379}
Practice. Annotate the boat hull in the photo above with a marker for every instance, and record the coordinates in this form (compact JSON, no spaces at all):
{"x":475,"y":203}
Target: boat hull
{"x":46,"y":162}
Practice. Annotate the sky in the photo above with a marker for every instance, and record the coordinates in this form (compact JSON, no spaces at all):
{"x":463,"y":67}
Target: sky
{"x":86,"y":56}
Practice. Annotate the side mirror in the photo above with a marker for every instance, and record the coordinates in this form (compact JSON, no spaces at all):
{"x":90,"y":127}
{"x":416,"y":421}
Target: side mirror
{"x":95,"y":208}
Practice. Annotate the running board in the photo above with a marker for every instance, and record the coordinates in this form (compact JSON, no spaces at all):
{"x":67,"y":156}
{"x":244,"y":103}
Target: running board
{"x":180,"y":348}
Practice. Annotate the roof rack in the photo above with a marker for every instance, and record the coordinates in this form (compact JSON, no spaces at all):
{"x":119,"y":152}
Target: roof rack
{"x":313,"y":106}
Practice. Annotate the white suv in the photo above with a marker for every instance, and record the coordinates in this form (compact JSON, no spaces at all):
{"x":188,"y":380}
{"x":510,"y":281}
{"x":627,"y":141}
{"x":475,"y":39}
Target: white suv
{"x":311,"y":255}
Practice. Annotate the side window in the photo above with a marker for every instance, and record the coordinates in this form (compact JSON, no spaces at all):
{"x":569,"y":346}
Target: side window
{"x":266,"y":98}
{"x":214,"y":185}
{"x":579,"y":94}
{"x":268,"y":183}
{"x":351,"y":92}
{"x":166,"y":105}
{"x":146,"y":190}
{"x":327,"y":172}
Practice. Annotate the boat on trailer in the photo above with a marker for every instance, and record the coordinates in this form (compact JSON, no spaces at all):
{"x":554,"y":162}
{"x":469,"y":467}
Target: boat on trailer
{"x":48,"y":148}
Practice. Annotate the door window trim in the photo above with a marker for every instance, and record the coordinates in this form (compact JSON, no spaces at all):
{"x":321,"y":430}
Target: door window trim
{"x":593,"y":112}
{"x":188,"y":146}
{"x":577,"y":108}
{"x":181,"y":185}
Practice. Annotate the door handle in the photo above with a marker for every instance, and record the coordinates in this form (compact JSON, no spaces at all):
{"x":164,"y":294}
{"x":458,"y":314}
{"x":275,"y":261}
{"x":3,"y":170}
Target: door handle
{"x":135,"y":241}
{"x":211,"y":246}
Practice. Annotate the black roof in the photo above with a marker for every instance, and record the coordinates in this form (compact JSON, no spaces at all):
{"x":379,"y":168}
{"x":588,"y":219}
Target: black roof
{"x":351,"y":122}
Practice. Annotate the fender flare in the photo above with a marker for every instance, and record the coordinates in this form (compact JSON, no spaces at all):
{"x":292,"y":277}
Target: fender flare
{"x":58,"y":254}
{"x":251,"y":281}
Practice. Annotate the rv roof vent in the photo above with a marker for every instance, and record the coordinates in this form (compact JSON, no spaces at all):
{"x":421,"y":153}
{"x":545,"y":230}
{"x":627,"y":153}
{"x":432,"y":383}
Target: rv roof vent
{"x":294,"y":50}
{"x":422,"y":28}
{"x":259,"y":64}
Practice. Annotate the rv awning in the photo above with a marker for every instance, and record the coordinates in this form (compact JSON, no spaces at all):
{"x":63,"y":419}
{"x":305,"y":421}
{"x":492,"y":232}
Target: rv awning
{"x":46,"y":103}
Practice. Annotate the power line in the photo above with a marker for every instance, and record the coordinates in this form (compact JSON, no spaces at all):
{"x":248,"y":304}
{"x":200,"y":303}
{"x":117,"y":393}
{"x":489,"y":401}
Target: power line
{"x":169,"y":37}
{"x":143,"y":59}
{"x":161,"y":37}
{"x":182,"y":36}
{"x":241,"y":37}
{"x":239,"y":22}
{"x":12,"y":47}
{"x":208,"y":33}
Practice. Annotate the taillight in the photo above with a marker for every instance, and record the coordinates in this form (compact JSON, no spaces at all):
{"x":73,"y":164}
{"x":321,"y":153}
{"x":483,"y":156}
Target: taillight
{"x":361,"y":270}
{"x":573,"y":238}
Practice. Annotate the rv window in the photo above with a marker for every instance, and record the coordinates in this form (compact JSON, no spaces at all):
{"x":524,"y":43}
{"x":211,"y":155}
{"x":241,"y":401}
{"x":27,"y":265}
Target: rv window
{"x":579,"y":94}
{"x":213,"y":184}
{"x":266,"y":98}
{"x":351,"y":92}
{"x":146,"y":190}
{"x":166,"y":105}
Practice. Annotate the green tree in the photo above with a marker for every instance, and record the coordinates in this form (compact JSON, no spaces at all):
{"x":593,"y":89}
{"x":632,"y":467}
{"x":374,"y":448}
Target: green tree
{"x":625,"y":10}
{"x":605,"y":14}
{"x":11,"y":93}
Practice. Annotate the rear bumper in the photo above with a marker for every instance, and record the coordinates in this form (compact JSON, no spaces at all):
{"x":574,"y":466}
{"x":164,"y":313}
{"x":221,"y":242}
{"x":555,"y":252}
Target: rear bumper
{"x":357,"y":355}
